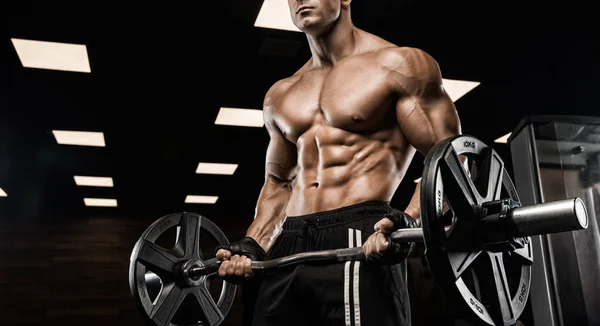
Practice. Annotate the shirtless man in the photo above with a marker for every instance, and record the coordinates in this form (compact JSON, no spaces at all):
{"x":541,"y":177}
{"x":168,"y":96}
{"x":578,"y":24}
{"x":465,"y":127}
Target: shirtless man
{"x":343,"y":130}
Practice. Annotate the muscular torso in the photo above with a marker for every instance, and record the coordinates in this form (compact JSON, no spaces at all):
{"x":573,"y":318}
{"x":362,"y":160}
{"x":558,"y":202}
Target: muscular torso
{"x":343,"y":122}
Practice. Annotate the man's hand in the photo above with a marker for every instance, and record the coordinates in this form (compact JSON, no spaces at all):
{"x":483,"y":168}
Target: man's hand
{"x":236,"y":259}
{"x":378,"y":242}
{"x":234,"y":268}
{"x":379,"y":246}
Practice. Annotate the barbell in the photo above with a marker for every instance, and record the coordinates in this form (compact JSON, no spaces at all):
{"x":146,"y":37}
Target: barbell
{"x":477,"y":246}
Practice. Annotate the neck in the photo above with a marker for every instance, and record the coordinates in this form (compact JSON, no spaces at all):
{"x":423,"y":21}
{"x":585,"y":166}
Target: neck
{"x":336,"y":43}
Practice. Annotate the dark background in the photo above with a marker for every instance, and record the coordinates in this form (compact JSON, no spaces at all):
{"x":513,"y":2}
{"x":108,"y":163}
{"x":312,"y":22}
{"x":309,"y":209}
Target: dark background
{"x":159,"y":76}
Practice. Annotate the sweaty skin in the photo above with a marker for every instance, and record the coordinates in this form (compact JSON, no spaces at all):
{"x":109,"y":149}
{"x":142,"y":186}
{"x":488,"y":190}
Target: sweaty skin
{"x":344,"y":128}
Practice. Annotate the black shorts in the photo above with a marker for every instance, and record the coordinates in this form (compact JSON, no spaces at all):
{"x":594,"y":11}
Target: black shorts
{"x":351,"y":293}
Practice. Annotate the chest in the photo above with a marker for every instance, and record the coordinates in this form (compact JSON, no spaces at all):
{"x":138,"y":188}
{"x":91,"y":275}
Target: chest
{"x":354,"y":96}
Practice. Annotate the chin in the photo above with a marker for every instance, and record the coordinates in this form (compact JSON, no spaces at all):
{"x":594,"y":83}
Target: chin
{"x":311,"y":25}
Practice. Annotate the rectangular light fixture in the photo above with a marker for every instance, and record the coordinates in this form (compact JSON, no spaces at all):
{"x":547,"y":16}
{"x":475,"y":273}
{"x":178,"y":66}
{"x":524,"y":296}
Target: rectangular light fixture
{"x":3,"y":193}
{"x":275,"y":14}
{"x":216,"y":168}
{"x":240,"y":117}
{"x":80,"y":138}
{"x":52,"y":55}
{"x":93,"y":181}
{"x":503,"y":139}
{"x":458,"y":88}
{"x":100,"y":202}
{"x":191,"y":199}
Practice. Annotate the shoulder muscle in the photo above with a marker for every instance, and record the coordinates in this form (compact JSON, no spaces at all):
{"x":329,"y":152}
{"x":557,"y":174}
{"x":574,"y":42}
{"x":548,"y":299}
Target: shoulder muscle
{"x":412,"y":70}
{"x":271,"y":100}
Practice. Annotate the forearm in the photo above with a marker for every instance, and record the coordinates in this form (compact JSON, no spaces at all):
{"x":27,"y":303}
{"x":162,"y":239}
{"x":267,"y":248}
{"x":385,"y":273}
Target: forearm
{"x":270,"y":213}
{"x":414,"y":206}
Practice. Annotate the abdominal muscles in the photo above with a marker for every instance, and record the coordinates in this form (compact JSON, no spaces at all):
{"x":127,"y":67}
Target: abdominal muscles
{"x":337,"y":168}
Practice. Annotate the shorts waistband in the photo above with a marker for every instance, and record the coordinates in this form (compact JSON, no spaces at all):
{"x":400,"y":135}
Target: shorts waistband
{"x":338,"y":215}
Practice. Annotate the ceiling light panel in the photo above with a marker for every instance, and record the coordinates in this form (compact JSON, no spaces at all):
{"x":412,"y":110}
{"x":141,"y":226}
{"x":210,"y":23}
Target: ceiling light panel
{"x":240,"y":117}
{"x":275,"y":14}
{"x":191,"y":199}
{"x":216,"y":168}
{"x":100,"y":202}
{"x":93,"y":181}
{"x":79,"y":138}
{"x":52,"y":55}
{"x":458,"y":88}
{"x":503,"y":139}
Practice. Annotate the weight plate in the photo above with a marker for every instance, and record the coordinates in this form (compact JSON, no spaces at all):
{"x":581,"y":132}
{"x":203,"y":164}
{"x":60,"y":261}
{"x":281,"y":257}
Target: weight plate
{"x":494,"y":285}
{"x":163,"y":294}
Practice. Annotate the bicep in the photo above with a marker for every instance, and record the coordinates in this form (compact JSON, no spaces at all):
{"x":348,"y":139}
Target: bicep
{"x":428,"y":118}
{"x":281,"y":157}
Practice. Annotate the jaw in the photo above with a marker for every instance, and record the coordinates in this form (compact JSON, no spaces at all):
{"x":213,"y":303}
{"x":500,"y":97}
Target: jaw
{"x":312,"y":25}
